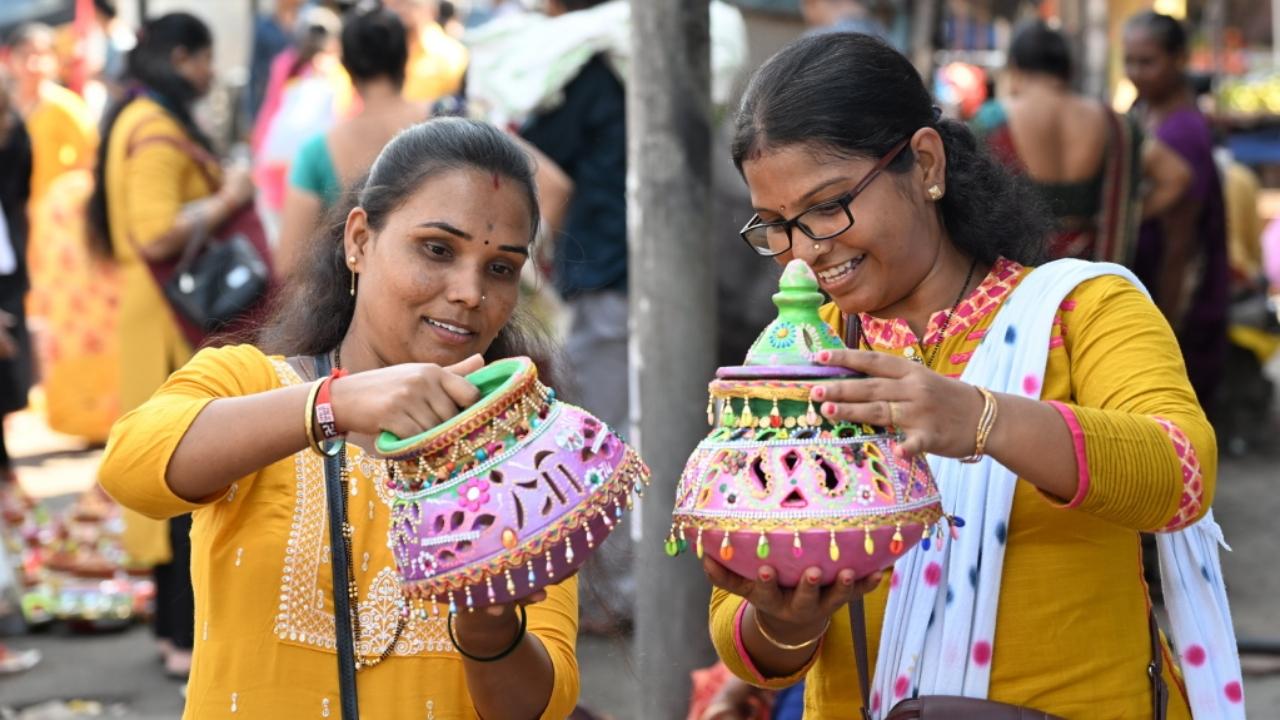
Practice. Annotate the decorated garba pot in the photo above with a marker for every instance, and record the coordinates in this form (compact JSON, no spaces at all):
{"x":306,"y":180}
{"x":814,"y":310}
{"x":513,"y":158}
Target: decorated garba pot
{"x":509,"y":496}
{"x":776,"y":483}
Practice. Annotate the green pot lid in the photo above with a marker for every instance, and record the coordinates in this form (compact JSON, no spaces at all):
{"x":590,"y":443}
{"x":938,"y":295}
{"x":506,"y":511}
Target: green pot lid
{"x":798,"y":333}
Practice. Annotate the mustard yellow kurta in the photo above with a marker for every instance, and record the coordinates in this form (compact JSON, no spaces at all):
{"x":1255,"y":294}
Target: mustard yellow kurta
{"x":260,"y":568}
{"x":436,"y":65}
{"x":151,"y":173}
{"x":63,"y":137}
{"x":1071,"y":636}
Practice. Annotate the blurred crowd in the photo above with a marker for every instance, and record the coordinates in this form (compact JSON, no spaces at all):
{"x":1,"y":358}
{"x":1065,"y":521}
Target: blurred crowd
{"x":111,"y":184}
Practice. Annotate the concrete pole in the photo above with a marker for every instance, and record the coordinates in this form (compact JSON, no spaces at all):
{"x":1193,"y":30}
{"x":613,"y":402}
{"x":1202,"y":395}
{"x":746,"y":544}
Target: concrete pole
{"x":1094,"y":65}
{"x":673,"y":333}
{"x":924,"y":21}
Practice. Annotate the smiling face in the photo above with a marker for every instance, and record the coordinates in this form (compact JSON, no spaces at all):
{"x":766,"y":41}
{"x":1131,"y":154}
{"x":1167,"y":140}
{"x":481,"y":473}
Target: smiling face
{"x":441,"y":277}
{"x":896,"y":236}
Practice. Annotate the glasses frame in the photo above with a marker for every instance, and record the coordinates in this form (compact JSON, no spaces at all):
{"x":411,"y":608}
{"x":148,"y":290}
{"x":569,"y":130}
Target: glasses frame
{"x":843,"y":201}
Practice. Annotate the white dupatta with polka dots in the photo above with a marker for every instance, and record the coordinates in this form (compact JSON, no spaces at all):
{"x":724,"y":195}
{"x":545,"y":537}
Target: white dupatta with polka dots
{"x":941,"y":618}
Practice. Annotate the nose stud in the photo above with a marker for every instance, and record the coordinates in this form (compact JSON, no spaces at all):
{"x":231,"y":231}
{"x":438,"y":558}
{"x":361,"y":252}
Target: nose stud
{"x":817,"y":247}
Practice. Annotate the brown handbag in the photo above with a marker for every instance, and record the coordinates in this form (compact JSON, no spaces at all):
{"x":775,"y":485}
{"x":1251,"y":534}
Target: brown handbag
{"x":950,"y":707}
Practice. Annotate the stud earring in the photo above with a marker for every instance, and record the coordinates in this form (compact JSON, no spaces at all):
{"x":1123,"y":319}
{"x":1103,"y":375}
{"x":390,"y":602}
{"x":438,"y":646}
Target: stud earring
{"x":935,"y":193}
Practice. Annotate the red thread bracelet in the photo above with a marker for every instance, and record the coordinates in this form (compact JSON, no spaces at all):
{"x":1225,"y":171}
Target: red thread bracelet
{"x":324,"y":408}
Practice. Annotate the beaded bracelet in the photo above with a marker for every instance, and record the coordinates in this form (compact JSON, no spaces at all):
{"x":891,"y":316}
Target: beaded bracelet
{"x":785,"y":646}
{"x":524,"y":623}
{"x":985,"y":422}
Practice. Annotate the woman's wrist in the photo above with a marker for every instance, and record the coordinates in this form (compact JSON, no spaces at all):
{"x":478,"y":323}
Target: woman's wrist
{"x":478,"y":633}
{"x":788,"y":636}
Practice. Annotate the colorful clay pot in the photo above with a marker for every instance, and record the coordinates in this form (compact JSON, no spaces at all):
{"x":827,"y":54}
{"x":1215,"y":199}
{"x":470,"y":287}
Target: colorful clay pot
{"x":509,"y":496}
{"x":776,"y":483}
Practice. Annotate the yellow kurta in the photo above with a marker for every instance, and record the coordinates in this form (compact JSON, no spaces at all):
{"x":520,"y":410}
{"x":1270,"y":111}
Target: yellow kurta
{"x":1071,"y":636}
{"x":151,"y":173}
{"x":260,"y":568}
{"x":436,"y":65}
{"x":63,"y":137}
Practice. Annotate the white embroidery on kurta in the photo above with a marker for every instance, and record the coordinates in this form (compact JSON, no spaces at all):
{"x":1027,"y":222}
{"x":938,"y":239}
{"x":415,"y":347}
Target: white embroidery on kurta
{"x":306,"y":577}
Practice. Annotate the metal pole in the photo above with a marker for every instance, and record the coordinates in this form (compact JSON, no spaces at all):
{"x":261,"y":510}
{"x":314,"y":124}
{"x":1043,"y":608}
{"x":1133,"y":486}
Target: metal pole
{"x":673,"y":333}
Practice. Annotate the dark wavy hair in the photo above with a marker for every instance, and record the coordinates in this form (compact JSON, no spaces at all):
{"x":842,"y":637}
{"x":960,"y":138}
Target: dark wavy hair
{"x":853,"y":96}
{"x":1167,"y":31}
{"x":149,"y":69}
{"x":314,"y":310}
{"x":374,"y":45}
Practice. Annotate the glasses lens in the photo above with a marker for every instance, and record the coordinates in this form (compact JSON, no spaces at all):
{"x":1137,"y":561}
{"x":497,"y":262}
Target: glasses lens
{"x":758,"y":237}
{"x":825,"y":220}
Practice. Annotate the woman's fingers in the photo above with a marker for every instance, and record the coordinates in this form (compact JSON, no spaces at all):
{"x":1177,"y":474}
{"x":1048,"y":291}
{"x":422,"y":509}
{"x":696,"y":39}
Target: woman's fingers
{"x":868,"y":362}
{"x":878,"y":412}
{"x":765,"y":592}
{"x":725,"y":579}
{"x":849,"y":391}
{"x":804,"y":599}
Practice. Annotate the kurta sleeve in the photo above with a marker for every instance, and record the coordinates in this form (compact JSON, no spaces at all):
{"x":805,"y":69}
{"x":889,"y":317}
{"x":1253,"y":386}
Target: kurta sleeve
{"x":554,"y":621}
{"x":726,"y":634}
{"x":143,"y":441}
{"x":1146,"y":454}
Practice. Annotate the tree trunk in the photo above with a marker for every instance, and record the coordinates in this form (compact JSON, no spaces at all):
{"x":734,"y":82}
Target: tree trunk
{"x":673,"y":333}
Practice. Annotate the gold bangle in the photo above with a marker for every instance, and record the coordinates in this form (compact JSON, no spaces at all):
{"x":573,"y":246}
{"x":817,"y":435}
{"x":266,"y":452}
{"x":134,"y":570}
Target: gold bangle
{"x":755,"y":616}
{"x":309,"y":420}
{"x":985,"y":422}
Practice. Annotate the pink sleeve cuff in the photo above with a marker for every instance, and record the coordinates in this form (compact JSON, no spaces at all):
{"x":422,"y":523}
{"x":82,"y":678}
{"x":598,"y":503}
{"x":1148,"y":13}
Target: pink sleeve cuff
{"x":758,"y":677}
{"x":1082,"y":460}
{"x":741,"y":646}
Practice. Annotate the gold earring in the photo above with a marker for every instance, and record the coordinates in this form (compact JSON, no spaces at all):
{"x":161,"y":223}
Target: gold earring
{"x":935,"y":193}
{"x":351,"y":262}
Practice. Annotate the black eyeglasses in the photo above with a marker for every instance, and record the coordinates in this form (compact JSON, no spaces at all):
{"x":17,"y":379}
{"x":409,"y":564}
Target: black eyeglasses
{"x":820,"y":222}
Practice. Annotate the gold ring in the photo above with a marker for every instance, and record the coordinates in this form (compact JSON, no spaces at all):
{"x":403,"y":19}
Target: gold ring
{"x":893,"y":422}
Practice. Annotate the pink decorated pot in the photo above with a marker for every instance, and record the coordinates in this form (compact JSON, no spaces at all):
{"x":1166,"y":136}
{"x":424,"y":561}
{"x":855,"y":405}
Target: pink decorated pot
{"x":509,"y":496}
{"x":777,"y":484}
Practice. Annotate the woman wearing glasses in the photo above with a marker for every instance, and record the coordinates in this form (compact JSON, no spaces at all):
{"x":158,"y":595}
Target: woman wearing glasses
{"x":1063,"y":382}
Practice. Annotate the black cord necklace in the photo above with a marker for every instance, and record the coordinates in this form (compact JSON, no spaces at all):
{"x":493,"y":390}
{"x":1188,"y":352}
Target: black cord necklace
{"x":946,"y":323}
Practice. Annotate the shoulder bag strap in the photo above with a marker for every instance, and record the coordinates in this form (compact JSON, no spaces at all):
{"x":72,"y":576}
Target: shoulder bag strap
{"x":1159,"y":691}
{"x":344,"y":637}
{"x":858,"y":621}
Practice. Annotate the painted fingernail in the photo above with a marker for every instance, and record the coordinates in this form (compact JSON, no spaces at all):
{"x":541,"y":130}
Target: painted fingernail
{"x":819,"y":393}
{"x":829,"y":409}
{"x":824,"y":356}
{"x":813,"y":578}
{"x":765,"y":575}
{"x":846,"y":579}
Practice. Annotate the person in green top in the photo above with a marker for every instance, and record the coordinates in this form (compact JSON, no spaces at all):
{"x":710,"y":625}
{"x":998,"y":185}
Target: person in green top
{"x":374,"y":53}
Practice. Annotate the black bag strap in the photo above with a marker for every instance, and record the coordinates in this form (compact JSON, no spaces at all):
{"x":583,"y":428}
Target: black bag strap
{"x":858,"y":621}
{"x":343,"y":635}
{"x":1159,"y":691}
